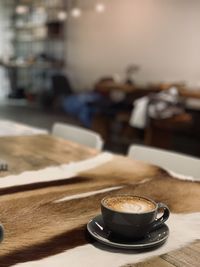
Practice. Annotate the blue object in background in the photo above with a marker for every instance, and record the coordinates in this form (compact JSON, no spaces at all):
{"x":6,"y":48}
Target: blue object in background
{"x":81,"y":106}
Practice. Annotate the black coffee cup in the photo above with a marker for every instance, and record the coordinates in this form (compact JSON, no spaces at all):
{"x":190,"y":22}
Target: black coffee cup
{"x":132,"y":217}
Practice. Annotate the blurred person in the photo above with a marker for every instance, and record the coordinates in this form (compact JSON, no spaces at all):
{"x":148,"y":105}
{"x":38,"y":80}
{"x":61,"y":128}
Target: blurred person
{"x":85,"y":105}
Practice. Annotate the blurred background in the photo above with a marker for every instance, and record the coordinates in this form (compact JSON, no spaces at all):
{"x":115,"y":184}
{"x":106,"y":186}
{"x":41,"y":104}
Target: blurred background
{"x":128,"y":69}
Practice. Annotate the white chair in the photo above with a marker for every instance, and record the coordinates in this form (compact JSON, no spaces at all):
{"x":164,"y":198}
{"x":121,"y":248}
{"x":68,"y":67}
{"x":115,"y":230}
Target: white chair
{"x":78,"y":135}
{"x":175,"y":162}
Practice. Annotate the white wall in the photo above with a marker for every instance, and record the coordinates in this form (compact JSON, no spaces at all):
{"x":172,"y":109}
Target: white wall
{"x":162,"y":36}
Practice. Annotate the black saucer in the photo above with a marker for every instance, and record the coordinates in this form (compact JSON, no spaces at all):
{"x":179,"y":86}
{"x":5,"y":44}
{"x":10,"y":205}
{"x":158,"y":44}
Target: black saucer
{"x":97,"y":230}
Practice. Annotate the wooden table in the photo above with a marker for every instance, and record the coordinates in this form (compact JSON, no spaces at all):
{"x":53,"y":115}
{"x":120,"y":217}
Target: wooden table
{"x":37,"y":152}
{"x":25,"y":153}
{"x":13,"y":128}
{"x":159,"y":133}
{"x":134,"y":89}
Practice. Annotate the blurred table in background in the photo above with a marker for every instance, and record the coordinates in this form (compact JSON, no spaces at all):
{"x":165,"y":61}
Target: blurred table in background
{"x":159,"y":133}
{"x":12,"y":128}
{"x":144,"y":90}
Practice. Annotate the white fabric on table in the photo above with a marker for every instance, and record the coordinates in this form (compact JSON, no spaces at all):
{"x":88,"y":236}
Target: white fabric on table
{"x":138,"y":117}
{"x":60,"y":172}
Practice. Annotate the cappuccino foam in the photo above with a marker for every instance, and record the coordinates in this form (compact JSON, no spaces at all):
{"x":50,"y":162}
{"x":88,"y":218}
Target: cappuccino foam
{"x":129,"y":204}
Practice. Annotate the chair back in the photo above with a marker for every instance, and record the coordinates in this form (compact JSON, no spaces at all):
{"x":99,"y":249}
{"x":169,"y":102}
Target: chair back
{"x":77,"y":134}
{"x":178,"y":163}
{"x":61,"y":85}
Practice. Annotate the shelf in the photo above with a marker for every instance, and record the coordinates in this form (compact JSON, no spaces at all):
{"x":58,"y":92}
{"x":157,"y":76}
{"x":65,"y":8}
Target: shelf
{"x":40,"y":40}
{"x":36,"y":26}
{"x":34,"y":65}
{"x":29,"y":27}
{"x":35,"y":5}
{"x":55,"y":39}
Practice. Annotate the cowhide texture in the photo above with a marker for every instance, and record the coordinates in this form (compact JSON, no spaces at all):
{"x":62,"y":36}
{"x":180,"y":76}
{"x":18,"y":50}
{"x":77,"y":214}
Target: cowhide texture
{"x":38,"y":225}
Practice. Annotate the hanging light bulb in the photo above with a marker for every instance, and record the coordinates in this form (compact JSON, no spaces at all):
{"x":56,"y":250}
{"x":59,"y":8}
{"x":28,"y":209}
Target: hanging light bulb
{"x":62,"y":15}
{"x":100,"y":7}
{"x":76,"y":12}
{"x":21,"y":9}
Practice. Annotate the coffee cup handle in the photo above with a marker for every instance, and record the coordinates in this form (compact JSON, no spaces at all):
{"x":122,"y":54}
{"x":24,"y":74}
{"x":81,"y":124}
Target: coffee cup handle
{"x":158,"y":222}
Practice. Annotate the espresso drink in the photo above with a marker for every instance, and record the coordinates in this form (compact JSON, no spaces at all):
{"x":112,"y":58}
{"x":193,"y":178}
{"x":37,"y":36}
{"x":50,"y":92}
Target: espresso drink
{"x":132,"y":217}
{"x":129,"y":204}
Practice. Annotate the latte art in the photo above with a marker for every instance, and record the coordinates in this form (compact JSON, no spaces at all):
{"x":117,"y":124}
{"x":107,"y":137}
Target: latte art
{"x":131,"y":207}
{"x":129,"y":204}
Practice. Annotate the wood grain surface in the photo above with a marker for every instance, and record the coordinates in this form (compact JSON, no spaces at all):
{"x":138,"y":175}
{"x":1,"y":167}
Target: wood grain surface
{"x":187,"y":257}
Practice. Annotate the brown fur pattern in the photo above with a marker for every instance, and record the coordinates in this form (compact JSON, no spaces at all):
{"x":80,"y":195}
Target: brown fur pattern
{"x":26,"y":153}
{"x":36,"y":226}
